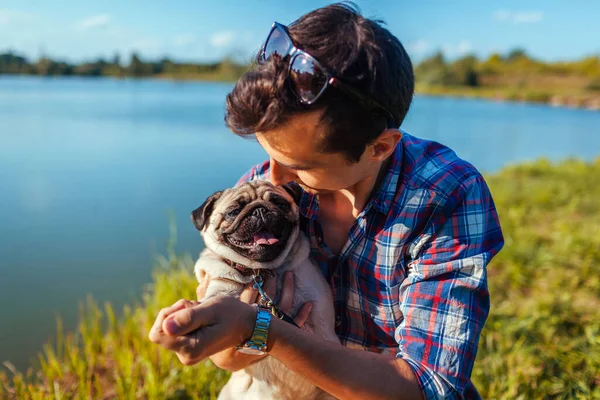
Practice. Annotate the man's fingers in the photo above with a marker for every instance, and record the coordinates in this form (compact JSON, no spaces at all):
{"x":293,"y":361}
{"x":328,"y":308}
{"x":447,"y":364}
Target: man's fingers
{"x":270,"y":286}
{"x":189,"y":348}
{"x":173,"y":343}
{"x":165,"y":312}
{"x":249,"y":294}
{"x":303,"y":314}
{"x":287,"y":292}
{"x":184,"y":321}
{"x":178,"y":305}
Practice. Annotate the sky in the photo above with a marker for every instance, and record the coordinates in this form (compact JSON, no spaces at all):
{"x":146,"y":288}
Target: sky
{"x":202,"y":31}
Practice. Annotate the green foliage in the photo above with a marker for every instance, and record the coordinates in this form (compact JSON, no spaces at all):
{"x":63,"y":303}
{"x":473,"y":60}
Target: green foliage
{"x":111,"y":357}
{"x":541,"y":340}
{"x":436,"y":71}
{"x":464,"y":71}
{"x":537,"y":97}
{"x":493,"y":65}
{"x":13,"y":64}
{"x":594,"y":85}
{"x":516,"y":55}
{"x":515,"y":76}
{"x":225,"y":70}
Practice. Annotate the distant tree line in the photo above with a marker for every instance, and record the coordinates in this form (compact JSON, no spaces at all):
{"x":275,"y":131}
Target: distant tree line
{"x":11,"y":63}
{"x":499,"y":69}
{"x":468,"y":71}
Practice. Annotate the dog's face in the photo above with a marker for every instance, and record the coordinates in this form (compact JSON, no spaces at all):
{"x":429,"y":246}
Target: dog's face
{"x":255,"y":223}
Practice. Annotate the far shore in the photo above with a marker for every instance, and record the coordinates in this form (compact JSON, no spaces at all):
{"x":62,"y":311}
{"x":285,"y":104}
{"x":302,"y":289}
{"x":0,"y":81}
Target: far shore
{"x":579,"y":100}
{"x":575,"y":100}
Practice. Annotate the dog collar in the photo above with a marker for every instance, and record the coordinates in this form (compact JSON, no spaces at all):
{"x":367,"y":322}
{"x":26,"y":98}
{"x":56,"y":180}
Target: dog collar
{"x":245,"y":271}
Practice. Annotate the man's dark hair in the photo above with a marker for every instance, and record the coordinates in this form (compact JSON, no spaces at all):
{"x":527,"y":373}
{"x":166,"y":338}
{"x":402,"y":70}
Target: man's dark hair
{"x":359,"y":51}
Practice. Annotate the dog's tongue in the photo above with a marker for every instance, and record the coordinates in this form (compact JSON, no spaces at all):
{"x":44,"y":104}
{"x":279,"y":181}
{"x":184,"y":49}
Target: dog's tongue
{"x":265,"y":238}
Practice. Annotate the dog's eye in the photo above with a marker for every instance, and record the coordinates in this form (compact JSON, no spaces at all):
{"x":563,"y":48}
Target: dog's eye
{"x":282,"y":204}
{"x":233,"y":213}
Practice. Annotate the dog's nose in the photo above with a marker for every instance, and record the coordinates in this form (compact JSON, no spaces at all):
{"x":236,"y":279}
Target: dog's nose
{"x":259,"y":212}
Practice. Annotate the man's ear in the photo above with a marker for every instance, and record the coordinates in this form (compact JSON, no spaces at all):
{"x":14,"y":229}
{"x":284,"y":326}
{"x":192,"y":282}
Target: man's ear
{"x":293,"y":190}
{"x":201,"y":214}
{"x":385,"y":144}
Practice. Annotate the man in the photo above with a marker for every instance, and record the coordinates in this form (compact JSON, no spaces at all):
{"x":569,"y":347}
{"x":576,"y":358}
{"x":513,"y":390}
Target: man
{"x":401,"y":227}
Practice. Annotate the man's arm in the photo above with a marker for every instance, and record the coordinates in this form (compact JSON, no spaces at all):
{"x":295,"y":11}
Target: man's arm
{"x":195,"y":331}
{"x":342,"y":372}
{"x":444,"y":299}
{"x":233,"y":360}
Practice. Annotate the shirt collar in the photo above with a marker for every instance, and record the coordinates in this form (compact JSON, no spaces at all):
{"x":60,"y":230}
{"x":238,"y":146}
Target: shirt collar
{"x":381,"y":201}
{"x":384,"y":197}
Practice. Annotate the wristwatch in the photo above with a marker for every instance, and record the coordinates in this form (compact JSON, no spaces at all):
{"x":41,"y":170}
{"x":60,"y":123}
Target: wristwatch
{"x":257,"y":344}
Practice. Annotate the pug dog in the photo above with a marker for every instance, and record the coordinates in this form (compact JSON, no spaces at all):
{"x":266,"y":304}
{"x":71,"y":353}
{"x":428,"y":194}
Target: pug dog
{"x":254,"y":228}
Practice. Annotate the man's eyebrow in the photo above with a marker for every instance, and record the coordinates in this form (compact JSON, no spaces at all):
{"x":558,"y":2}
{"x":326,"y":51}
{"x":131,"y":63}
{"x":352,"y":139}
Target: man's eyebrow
{"x":296,"y":166}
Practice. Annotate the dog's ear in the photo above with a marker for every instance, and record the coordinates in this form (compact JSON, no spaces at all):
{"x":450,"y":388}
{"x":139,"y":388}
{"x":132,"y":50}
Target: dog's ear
{"x":293,"y":190}
{"x":201,"y":214}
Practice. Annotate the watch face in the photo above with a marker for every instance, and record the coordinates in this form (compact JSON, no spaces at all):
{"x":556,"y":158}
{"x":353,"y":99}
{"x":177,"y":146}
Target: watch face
{"x":249,"y":350}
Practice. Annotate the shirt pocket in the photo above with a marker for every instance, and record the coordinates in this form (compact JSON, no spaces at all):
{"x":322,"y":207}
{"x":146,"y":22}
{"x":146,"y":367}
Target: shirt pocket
{"x":380,"y":311}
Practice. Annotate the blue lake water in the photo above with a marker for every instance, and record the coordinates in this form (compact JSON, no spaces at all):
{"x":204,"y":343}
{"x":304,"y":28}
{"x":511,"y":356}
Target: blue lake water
{"x":90,"y":169}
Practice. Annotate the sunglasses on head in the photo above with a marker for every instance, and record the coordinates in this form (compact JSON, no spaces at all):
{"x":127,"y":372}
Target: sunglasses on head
{"x":308,"y":78}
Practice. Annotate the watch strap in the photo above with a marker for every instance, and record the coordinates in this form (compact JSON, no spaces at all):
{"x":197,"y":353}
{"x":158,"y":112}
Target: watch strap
{"x":258,"y":339}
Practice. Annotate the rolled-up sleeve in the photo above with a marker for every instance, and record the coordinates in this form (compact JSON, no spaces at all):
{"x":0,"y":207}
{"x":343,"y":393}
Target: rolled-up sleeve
{"x":444,"y":298}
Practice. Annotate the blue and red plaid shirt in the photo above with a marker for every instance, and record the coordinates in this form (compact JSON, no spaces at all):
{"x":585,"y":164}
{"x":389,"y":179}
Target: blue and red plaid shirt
{"x":411,"y":279}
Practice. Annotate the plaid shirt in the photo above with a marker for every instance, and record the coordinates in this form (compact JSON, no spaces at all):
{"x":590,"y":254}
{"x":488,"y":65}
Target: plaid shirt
{"x":411,"y":279}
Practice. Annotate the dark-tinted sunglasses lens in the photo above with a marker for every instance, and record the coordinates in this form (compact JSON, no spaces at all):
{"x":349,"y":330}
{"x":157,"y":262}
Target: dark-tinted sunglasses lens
{"x":278,"y":43}
{"x":307,"y":78}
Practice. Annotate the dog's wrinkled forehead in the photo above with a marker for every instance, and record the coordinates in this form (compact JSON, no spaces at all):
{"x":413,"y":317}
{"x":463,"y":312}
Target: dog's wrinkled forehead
{"x":224,"y":207}
{"x":251,"y":191}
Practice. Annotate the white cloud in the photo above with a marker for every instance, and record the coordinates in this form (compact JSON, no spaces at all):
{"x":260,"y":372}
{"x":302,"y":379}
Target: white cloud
{"x":222,"y":39}
{"x":419,"y":47}
{"x":502,"y":15}
{"x":12,"y":16}
{"x":528,"y":17}
{"x":457,"y":50}
{"x":184,"y":40}
{"x":519,"y":17}
{"x":94,"y":22}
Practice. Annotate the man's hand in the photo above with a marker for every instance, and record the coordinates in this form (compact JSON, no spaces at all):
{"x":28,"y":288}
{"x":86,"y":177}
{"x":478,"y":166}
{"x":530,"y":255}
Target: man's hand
{"x":196,"y":330}
{"x":230,"y":359}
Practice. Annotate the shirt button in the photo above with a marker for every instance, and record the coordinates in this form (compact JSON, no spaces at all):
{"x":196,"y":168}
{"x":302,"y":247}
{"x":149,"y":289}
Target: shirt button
{"x":338,"y":321}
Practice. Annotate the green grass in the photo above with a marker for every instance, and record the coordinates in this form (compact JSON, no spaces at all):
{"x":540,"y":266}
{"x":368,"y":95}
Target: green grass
{"x":546,"y":95}
{"x":541,"y":341}
{"x":111,"y":357}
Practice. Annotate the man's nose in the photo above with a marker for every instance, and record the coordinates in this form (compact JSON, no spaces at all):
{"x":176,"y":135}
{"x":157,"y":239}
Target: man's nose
{"x":280,"y":174}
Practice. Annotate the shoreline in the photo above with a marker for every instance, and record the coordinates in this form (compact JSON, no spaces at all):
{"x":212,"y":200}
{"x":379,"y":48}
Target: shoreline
{"x":576,"y":101}
{"x":589,"y":101}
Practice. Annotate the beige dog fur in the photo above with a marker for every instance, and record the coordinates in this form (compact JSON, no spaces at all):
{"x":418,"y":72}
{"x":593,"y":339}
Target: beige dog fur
{"x":266,"y":378}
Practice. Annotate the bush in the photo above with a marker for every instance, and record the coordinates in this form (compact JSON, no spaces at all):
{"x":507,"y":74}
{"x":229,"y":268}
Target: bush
{"x":594,"y":85}
{"x":537,"y":97}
